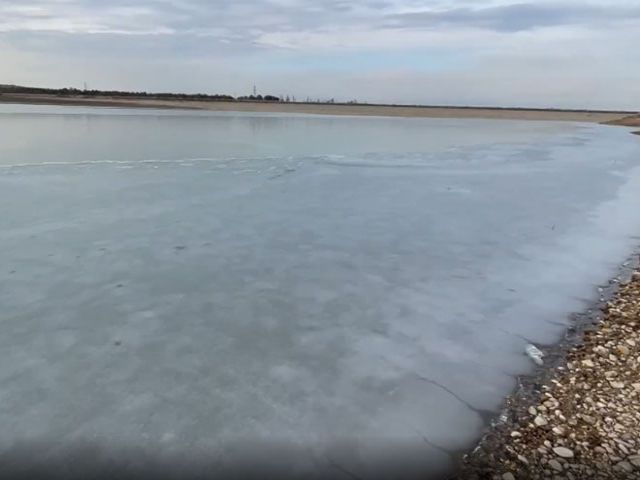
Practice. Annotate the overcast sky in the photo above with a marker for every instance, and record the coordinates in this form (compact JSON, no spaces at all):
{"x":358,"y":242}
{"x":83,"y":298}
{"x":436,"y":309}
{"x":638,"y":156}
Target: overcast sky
{"x":567,"y":53}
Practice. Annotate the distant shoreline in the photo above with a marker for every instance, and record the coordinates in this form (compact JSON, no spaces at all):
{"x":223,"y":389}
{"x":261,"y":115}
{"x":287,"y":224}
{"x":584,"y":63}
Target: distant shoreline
{"x":411,"y":111}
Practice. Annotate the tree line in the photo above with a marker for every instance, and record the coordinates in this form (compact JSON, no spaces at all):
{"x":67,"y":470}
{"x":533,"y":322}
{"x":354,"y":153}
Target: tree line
{"x":74,"y":92}
{"x":92,"y":93}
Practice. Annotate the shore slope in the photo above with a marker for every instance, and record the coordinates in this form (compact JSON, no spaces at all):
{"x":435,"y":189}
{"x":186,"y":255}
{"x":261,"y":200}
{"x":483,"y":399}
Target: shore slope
{"x":583,"y":420}
{"x":611,"y":117}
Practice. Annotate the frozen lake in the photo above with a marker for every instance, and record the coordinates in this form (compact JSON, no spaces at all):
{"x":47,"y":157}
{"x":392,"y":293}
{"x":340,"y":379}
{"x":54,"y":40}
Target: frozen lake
{"x":308,"y":294}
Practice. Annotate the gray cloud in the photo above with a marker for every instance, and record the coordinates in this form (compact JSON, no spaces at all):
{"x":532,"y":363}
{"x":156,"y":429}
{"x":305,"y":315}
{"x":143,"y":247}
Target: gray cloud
{"x":431,"y":51}
{"x":517,"y":17}
{"x":244,"y":21}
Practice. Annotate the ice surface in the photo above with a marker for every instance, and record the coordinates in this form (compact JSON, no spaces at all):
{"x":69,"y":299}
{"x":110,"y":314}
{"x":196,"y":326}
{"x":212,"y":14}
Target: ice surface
{"x":351,"y":295}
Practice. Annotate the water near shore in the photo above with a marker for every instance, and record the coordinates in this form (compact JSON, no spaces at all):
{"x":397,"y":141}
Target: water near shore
{"x":357,"y":291}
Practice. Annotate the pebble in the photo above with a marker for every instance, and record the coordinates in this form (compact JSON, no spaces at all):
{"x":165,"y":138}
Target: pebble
{"x":540,"y":421}
{"x":555,"y":464}
{"x":589,"y":419}
{"x":508,"y":476}
{"x":625,"y":466}
{"x":600,"y":350}
{"x":623,"y":350}
{"x":563,"y":452}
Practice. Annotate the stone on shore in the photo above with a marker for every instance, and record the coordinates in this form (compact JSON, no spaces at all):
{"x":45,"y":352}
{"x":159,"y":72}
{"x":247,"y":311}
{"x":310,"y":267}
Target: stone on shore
{"x":563,"y":452}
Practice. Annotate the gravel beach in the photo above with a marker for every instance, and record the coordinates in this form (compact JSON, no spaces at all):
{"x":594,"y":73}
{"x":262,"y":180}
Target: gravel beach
{"x":581,"y":418}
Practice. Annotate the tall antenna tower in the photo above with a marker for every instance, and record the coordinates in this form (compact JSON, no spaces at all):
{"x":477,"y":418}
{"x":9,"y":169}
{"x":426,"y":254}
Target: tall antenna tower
{"x":255,"y":90}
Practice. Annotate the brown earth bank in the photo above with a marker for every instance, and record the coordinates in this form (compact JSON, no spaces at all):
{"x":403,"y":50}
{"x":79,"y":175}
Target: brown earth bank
{"x":630,"y":121}
{"x":327,"y":108}
{"x":579,"y":416}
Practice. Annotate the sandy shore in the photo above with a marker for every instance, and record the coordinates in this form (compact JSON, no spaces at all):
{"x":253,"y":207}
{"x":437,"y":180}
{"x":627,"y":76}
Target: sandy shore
{"x":579,"y":416}
{"x":330,"y":109}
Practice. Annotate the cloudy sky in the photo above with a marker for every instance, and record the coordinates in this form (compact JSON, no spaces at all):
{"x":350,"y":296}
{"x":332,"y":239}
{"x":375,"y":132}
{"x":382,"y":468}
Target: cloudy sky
{"x":567,"y":53}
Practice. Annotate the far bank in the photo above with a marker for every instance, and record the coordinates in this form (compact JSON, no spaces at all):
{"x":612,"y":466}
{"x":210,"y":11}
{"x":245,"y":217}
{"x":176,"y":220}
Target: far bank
{"x":612,"y":117}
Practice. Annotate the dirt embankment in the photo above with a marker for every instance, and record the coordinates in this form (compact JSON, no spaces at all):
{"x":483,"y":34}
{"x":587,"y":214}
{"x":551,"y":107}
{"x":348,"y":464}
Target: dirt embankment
{"x":629,"y":121}
{"x":326,"y":108}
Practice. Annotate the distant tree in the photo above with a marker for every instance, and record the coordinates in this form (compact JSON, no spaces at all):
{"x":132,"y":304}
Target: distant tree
{"x":72,"y":91}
